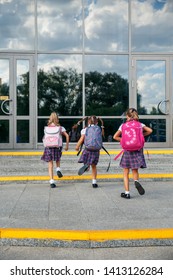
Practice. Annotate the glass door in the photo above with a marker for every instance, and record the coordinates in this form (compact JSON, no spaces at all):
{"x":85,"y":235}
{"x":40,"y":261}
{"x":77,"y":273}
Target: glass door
{"x":16,"y":102}
{"x":150,"y":94}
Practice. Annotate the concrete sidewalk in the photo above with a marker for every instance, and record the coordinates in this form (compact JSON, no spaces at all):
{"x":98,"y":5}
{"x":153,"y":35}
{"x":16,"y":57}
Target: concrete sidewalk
{"x":76,"y":215}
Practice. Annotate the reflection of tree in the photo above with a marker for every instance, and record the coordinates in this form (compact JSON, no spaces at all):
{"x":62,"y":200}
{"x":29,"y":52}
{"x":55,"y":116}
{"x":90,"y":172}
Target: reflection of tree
{"x":61,"y":91}
{"x":106,"y":94}
{"x":23,"y":96}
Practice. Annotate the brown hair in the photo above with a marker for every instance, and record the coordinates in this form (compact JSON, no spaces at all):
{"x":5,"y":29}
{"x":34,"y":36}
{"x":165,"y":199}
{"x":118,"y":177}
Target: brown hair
{"x":132,"y":114}
{"x":92,"y":120}
{"x":53,"y":119}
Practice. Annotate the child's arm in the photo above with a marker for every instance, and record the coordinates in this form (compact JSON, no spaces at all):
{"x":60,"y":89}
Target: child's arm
{"x":117,"y":135}
{"x":80,"y":142}
{"x":67,"y":140}
{"x":147,"y":130}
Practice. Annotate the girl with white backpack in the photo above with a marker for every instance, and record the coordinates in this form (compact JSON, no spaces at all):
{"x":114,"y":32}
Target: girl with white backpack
{"x":53,"y":143}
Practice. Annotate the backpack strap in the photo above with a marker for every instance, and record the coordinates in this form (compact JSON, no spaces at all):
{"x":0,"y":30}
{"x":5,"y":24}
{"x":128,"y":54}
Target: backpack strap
{"x":109,"y":158}
{"x":119,"y":154}
{"x":80,"y":149}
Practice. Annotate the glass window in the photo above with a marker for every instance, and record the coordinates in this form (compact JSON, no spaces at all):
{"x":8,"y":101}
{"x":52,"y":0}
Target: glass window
{"x":151,"y":86}
{"x":159,"y":129}
{"x":17,"y":19}
{"x":106,"y":85}
{"x":106,"y":25}
{"x":22,"y":131}
{"x":59,"y":25}
{"x":152,"y":25}
{"x":4,"y":86}
{"x":60,"y":85}
{"x":68,"y":124}
{"x":22,"y":87}
{"x":4,"y":131}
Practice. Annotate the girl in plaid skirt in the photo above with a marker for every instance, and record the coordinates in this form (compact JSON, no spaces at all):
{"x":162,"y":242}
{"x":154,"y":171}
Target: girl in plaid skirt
{"x":54,"y":154}
{"x":89,"y":158}
{"x":132,"y":160}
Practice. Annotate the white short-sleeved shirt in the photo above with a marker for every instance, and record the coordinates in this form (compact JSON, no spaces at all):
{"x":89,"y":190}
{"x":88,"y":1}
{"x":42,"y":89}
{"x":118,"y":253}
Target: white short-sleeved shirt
{"x":120,"y":128}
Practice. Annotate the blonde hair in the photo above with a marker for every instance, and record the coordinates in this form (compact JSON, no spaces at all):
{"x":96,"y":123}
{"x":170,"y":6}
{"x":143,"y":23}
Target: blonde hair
{"x":132,"y":114}
{"x":53,"y":119}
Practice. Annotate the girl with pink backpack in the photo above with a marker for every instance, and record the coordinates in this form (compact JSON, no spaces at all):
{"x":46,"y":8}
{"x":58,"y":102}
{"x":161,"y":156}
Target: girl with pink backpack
{"x":131,"y":137}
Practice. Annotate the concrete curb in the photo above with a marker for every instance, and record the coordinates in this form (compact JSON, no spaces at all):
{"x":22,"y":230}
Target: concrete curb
{"x":86,"y":239}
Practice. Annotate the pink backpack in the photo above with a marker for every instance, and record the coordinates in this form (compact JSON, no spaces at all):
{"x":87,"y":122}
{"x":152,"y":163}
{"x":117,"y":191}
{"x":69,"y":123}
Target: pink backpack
{"x":132,"y":138}
{"x":52,"y":136}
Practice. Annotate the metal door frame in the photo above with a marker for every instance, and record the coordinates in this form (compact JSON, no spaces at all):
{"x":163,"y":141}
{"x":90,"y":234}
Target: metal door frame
{"x":12,"y":116}
{"x":168,"y":99}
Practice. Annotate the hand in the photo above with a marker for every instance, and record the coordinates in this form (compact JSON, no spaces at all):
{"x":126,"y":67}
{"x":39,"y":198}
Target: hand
{"x":66,"y":148}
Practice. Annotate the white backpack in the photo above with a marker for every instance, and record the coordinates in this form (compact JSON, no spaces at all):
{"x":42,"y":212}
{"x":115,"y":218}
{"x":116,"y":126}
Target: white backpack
{"x":52,"y":136}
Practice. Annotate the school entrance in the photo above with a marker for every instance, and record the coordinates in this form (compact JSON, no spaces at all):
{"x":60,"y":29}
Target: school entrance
{"x":17,"y":102}
{"x":152,"y":94}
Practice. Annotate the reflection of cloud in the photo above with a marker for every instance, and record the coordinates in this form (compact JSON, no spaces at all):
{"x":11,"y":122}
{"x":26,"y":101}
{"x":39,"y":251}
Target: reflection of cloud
{"x":152,"y":25}
{"x":63,"y":61}
{"x":152,"y":89}
{"x":106,"y":25}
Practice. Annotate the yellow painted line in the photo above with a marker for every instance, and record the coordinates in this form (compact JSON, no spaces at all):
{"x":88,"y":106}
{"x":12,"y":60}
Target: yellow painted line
{"x":83,"y":177}
{"x":95,"y":235}
{"x":74,"y":153}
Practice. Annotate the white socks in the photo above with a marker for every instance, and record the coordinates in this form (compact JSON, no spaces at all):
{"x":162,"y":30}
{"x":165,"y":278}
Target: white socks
{"x":52,"y":181}
{"x":94,"y":181}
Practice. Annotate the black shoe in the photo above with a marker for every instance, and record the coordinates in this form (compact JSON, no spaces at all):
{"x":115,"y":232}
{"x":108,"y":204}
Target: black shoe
{"x":95,"y":185}
{"x":59,"y":174}
{"x":125,"y":195}
{"x":53,"y":185}
{"x":83,"y":169}
{"x":140,"y":189}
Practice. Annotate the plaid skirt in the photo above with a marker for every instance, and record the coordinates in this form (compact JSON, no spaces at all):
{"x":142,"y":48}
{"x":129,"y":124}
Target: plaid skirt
{"x":89,"y":157}
{"x":133,"y":160}
{"x":52,"y":154}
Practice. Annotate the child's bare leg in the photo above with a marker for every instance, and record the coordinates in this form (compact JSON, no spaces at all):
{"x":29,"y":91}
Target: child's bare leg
{"x":58,"y":169}
{"x":126,"y":194}
{"x":50,"y":169}
{"x":135,"y":174}
{"x":58,"y":163}
{"x":126,"y":179}
{"x":94,"y":176}
{"x":136,"y":180}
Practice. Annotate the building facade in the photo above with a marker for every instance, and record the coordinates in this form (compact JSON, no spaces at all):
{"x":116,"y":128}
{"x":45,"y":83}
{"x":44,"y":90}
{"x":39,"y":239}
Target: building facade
{"x":84,"y":57}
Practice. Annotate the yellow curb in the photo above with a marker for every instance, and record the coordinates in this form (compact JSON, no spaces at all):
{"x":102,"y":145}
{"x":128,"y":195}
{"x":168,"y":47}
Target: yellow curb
{"x":83,"y":177}
{"x":92,"y":235}
{"x":74,"y":153}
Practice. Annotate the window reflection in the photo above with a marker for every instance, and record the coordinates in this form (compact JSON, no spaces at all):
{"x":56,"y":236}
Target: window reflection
{"x":59,"y":25}
{"x":22,"y":131}
{"x":159,"y":129}
{"x":60,"y":85}
{"x":106,"y":25}
{"x":152,"y":25}
{"x":22,"y":87}
{"x":106,"y":85}
{"x":150,"y":86}
{"x":4,"y":84}
{"x":17,"y":18}
{"x":67,"y":123}
{"x":4,"y":131}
